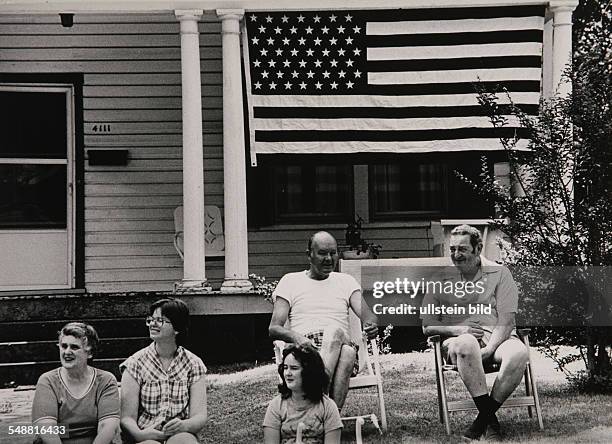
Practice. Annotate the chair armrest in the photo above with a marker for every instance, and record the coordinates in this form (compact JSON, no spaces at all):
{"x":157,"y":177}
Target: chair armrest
{"x":523,"y":332}
{"x":434,"y":338}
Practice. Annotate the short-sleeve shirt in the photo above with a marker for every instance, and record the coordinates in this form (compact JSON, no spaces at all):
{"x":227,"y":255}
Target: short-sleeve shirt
{"x":317,"y":304}
{"x":500,"y":293}
{"x":164,"y":395}
{"x":81,"y":415}
{"x":318,"y":420}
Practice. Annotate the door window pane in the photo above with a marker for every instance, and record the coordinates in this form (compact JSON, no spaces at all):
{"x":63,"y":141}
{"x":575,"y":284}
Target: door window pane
{"x":32,"y":196}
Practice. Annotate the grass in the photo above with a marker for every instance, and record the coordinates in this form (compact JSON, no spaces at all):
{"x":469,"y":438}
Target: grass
{"x":237,"y":404}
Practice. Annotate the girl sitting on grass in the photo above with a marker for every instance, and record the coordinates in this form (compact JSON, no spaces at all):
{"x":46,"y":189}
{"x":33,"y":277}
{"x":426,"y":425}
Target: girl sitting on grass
{"x":302,"y":402}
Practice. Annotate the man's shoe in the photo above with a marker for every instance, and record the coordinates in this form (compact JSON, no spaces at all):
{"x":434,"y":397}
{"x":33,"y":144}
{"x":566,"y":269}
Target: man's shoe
{"x":475,"y":431}
{"x":493,"y":432}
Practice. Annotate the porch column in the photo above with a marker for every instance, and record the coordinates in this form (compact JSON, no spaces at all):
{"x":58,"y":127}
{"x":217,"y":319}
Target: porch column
{"x":234,"y":172}
{"x":194,"y":273}
{"x":562,"y":43}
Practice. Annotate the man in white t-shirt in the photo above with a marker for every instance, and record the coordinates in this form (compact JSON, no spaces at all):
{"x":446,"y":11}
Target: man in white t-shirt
{"x":316,"y":303}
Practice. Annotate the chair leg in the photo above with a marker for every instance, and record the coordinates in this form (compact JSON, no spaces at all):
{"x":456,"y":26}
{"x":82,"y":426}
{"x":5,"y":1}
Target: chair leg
{"x":381,"y":405}
{"x":528,"y":389}
{"x":536,"y":398}
{"x":442,"y":392}
{"x":440,"y":414}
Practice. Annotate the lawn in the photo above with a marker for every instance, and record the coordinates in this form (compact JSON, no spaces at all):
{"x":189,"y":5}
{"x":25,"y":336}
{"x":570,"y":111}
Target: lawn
{"x":237,"y":403}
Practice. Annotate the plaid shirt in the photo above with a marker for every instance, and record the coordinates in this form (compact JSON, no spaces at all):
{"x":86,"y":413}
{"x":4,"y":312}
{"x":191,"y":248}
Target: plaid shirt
{"x":164,"y":395}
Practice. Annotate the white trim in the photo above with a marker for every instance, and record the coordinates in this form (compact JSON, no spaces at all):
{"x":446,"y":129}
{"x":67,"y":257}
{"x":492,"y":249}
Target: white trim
{"x":25,"y":161}
{"x":165,"y":6}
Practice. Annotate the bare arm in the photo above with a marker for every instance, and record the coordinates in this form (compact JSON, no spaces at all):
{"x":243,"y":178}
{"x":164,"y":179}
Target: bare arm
{"x":333,"y":436}
{"x":106,"y":431}
{"x":277,"y":329}
{"x":47,"y":438}
{"x":130,"y":399}
{"x":502,"y":331}
{"x":271,"y":436}
{"x":198,"y":411}
{"x":369,"y":321}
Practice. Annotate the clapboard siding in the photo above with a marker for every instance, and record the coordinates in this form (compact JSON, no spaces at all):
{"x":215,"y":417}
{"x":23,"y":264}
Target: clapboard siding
{"x":132,"y":82}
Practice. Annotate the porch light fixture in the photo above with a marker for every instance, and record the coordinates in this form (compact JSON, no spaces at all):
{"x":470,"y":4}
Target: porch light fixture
{"x":67,"y":19}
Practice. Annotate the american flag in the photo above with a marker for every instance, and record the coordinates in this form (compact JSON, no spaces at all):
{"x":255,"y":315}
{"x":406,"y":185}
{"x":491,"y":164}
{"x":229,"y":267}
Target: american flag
{"x":387,"y":80}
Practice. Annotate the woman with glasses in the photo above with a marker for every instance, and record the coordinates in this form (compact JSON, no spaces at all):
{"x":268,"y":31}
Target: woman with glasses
{"x":163,"y":386}
{"x":76,"y":403}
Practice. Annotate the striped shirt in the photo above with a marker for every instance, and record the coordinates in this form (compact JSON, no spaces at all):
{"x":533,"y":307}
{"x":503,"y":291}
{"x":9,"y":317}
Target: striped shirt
{"x":164,"y":394}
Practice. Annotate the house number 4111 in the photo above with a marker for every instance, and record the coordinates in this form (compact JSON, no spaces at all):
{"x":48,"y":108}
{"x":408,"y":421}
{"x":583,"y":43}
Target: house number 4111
{"x":106,"y":128}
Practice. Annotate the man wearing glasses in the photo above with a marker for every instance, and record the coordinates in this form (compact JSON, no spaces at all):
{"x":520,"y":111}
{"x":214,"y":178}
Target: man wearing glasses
{"x":487,"y":336}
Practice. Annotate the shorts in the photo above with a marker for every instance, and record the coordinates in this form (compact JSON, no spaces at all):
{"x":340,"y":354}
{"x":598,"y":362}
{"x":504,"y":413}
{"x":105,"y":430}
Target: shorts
{"x":486,"y":337}
{"x":316,"y":337}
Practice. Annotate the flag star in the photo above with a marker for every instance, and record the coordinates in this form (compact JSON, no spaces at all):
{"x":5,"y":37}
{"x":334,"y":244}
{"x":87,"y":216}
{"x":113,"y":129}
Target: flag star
{"x":302,"y":63}
{"x":318,"y":63}
{"x":356,"y":29}
{"x":309,"y":30}
{"x":349,"y":84}
{"x":271,"y":63}
{"x":302,"y":41}
{"x":332,"y":18}
{"x":256,"y":63}
{"x":318,"y":85}
{"x":349,"y":41}
{"x":280,"y":74}
{"x":356,"y":51}
{"x":272,"y":85}
{"x":302,"y":85}
{"x":333,"y":85}
{"x":333,"y":41}
{"x":349,"y":62}
{"x":341,"y":52}
{"x":325,"y":52}
{"x":262,"y":29}
{"x":357,"y":74}
{"x":264,"y":74}
{"x":316,"y":19}
{"x":285,"y":19}
{"x":300,"y":18}
{"x":268,"y":19}
{"x":341,"y":74}
{"x":325,"y":29}
{"x":310,"y":74}
{"x":294,"y":52}
{"x":264,"y":52}
{"x":293,"y":30}
{"x":334,"y":63}
{"x":286,"y":63}
{"x":257,"y":85}
{"x":270,"y":41}
{"x":286,"y":41}
{"x":255,"y":40}
{"x":317,"y":41}
{"x":253,"y":18}
{"x":295,"y":74}
{"x":279,"y":52}
{"x":288,"y":85}
{"x":277,"y":30}
{"x":341,"y":30}
{"x":348,"y":18}
{"x":309,"y":52}
{"x":326,"y":74}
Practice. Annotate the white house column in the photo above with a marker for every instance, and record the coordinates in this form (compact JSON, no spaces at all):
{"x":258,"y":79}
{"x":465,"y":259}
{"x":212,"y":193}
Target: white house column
{"x":234,"y":172}
{"x":194,"y":273}
{"x":562,"y":43}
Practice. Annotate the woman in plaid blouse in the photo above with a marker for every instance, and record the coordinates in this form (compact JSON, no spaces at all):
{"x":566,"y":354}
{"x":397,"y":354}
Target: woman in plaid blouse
{"x":163,"y":386}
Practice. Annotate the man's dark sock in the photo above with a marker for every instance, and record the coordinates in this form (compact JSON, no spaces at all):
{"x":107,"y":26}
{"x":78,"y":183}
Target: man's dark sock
{"x":487,"y":407}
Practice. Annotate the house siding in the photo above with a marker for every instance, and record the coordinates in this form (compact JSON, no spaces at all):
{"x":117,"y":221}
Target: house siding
{"x":132,"y":82}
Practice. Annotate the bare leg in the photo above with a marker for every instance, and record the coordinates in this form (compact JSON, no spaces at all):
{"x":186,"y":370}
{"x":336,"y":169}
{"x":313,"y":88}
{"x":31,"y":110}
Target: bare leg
{"x":512,"y":355}
{"x":333,"y":339}
{"x":342,"y":375}
{"x":182,"y":438}
{"x":464,"y":350}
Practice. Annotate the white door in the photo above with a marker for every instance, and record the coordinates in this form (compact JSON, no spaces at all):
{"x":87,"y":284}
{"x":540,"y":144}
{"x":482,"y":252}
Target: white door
{"x":36,"y":182}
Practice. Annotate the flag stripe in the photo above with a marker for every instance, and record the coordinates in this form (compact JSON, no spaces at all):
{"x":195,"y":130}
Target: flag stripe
{"x":454,"y":39}
{"x":455,"y":64}
{"x":418,"y":77}
{"x":455,"y":88}
{"x":272,"y":102}
{"x":384,"y":124}
{"x":503,"y":27}
{"x":453,"y":52}
{"x":386,"y":136}
{"x":414,"y":112}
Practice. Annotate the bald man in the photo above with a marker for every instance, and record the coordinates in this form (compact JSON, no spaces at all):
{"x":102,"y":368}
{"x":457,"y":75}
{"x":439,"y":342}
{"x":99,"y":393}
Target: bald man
{"x":316,"y":302}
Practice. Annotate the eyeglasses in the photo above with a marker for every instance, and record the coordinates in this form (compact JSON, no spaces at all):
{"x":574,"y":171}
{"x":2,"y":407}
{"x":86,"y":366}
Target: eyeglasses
{"x":159,"y":321}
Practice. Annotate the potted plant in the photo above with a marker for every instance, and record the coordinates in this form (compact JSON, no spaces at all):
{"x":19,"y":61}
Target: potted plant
{"x":356,"y":247}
